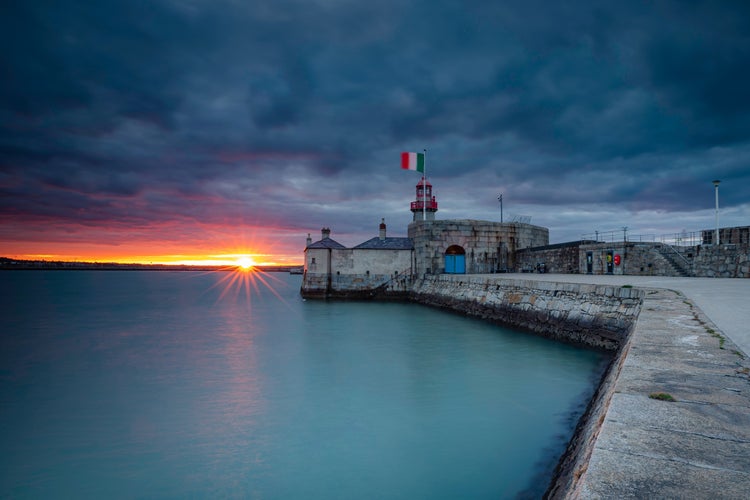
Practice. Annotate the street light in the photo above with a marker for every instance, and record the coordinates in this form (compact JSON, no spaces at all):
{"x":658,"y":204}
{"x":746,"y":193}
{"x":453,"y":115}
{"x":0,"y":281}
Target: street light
{"x":716,"y":189}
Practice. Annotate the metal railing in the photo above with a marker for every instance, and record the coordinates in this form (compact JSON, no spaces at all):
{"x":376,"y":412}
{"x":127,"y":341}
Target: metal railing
{"x":616,"y":235}
{"x":682,"y":239}
{"x":683,"y":259}
{"x":405,"y":274}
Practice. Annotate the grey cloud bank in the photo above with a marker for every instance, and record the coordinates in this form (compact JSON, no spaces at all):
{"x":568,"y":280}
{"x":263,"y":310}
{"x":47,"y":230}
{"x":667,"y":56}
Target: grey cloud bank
{"x":588,"y":115}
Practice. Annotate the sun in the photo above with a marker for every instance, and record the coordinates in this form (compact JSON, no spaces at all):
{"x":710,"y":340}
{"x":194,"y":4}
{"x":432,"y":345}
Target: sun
{"x":245,"y":263}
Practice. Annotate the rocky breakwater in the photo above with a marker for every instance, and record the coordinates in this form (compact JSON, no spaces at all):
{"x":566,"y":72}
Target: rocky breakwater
{"x":593,"y":315}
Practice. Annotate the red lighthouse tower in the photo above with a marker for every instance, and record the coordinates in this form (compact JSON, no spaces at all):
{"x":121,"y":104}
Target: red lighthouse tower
{"x":425,"y":206}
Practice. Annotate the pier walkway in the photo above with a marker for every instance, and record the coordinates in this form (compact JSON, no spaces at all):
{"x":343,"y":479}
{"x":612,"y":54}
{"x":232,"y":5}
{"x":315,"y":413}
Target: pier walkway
{"x":691,"y":341}
{"x":726,"y":301}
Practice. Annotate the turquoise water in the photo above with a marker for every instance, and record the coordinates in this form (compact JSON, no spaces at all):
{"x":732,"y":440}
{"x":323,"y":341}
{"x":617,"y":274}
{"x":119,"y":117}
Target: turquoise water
{"x":122,"y":384}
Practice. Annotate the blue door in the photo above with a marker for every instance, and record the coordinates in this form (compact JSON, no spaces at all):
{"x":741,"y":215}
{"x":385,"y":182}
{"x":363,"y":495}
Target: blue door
{"x":450,"y":264}
{"x":455,"y":264}
{"x":460,"y":264}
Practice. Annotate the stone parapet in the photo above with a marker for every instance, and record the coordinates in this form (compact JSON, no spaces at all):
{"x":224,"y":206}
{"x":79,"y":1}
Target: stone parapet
{"x":638,"y":259}
{"x":562,"y":259}
{"x":722,"y":261}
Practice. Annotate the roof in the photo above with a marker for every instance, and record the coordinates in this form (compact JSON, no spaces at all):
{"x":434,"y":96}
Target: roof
{"x":386,"y":244}
{"x":326,"y":243}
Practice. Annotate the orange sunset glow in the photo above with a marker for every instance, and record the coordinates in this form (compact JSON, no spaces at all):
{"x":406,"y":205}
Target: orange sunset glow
{"x":245,"y":260}
{"x":220,"y":260}
{"x":215,"y":246}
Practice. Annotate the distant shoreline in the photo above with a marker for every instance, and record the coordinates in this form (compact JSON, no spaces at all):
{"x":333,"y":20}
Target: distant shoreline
{"x":42,"y":265}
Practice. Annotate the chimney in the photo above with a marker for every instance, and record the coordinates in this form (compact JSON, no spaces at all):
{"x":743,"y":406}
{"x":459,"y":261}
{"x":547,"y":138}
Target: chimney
{"x":309,"y":241}
{"x":325,"y":233}
{"x":382,"y":229}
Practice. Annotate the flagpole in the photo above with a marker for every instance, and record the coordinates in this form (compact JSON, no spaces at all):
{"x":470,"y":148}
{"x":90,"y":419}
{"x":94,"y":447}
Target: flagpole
{"x":424,"y":188}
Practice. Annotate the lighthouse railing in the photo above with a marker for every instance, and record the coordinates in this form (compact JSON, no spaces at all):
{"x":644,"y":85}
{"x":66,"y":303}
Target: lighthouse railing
{"x":419,"y":205}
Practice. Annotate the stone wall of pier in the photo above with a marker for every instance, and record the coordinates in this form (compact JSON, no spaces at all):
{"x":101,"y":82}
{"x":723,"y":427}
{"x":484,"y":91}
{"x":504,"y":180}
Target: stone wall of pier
{"x":593,"y":315}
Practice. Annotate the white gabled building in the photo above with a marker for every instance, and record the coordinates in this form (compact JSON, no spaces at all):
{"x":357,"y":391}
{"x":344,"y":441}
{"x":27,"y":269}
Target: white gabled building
{"x":332,"y":270}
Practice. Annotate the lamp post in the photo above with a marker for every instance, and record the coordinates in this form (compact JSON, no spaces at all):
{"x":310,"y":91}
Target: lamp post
{"x":500,"y":199}
{"x":716,"y":190}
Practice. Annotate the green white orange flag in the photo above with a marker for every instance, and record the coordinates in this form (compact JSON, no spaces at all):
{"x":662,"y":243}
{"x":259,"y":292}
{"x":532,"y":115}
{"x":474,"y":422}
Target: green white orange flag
{"x":412,"y":161}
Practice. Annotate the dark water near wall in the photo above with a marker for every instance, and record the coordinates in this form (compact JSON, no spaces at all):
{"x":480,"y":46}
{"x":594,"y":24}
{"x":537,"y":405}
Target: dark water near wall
{"x":158,"y":384}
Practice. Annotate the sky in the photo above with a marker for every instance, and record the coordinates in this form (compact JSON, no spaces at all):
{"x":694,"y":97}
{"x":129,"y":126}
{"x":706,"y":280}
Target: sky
{"x":201,"y":130}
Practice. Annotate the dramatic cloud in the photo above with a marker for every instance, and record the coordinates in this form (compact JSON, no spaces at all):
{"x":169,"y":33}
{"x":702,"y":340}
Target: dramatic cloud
{"x":176,"y":119}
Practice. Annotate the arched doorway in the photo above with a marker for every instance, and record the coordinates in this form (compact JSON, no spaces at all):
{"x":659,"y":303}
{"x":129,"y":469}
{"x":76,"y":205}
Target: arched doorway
{"x":455,"y":260}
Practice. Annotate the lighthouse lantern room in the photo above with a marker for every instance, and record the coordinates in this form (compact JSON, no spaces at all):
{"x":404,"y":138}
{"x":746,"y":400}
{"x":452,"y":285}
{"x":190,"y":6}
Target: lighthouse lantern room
{"x":425,"y":206}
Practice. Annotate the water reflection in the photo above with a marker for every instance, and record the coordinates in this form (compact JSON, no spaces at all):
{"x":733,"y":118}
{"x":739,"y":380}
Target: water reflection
{"x":247,"y":281}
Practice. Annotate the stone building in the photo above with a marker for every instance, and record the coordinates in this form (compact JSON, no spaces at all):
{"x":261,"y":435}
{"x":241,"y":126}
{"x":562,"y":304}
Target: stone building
{"x":379,"y":264}
{"x":387,"y":265}
{"x":471,"y":246}
{"x":729,"y":259}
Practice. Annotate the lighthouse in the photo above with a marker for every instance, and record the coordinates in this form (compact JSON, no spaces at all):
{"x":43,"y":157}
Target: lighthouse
{"x":425,"y":206}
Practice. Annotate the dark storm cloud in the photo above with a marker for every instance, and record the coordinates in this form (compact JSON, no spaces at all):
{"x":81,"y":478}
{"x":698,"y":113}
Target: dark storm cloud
{"x":202,"y":111}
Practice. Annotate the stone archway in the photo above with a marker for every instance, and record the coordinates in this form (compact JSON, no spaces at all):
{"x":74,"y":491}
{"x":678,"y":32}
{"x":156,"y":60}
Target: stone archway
{"x":455,"y":260}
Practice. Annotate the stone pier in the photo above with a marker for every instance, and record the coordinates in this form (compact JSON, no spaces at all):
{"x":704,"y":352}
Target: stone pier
{"x":671,"y":417}
{"x":592,"y":315}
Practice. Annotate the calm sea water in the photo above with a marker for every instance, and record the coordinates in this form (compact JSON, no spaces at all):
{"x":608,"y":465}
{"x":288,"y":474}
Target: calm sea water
{"x":159,"y":384}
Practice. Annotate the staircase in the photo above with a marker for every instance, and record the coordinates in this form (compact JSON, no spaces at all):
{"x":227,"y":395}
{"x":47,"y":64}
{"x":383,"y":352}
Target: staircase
{"x":381,"y":291}
{"x":679,"y":264}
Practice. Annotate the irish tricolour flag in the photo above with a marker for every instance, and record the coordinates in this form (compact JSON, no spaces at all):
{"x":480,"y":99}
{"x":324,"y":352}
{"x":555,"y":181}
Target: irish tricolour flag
{"x":412,"y":161}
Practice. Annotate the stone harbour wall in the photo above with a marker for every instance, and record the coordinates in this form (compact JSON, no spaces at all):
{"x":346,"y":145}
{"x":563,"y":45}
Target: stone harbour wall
{"x":370,"y":285}
{"x":357,"y":286}
{"x":592,"y":315}
{"x":563,"y":258}
{"x":647,"y":259}
{"x":579,"y":449}
{"x":639,"y":259}
{"x":722,"y":261}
